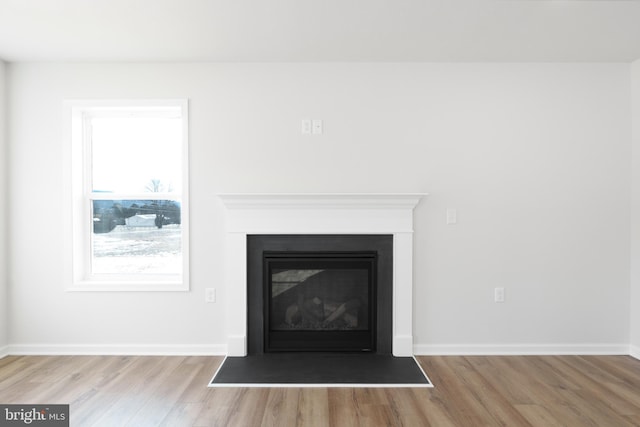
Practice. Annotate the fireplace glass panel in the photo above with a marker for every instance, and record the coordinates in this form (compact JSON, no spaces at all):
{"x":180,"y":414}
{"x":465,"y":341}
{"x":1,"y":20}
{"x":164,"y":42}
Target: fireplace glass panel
{"x":320,"y":302}
{"x":319,"y":299}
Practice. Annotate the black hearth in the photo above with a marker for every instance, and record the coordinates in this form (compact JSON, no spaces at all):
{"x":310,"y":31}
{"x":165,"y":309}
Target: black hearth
{"x":319,"y":293}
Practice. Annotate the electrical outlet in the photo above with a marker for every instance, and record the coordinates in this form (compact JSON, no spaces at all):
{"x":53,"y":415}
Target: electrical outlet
{"x":498,"y":295}
{"x":210,"y":295}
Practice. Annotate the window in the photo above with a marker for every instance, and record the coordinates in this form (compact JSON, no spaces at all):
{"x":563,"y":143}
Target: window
{"x":128,"y":176}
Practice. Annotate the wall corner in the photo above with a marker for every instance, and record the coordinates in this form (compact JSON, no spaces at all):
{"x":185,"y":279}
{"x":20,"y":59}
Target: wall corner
{"x":634,"y":299}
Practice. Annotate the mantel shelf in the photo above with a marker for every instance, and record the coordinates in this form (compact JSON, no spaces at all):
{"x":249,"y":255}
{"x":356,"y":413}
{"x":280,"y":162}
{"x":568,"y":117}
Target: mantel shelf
{"x":321,"y":200}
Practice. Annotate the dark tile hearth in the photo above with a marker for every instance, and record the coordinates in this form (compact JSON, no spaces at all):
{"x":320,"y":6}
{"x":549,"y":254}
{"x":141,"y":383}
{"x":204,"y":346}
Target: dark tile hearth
{"x":326,"y":369}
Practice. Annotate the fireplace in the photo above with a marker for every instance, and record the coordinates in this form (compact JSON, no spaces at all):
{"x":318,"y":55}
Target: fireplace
{"x":321,"y":215}
{"x":328,"y":293}
{"x":319,"y":301}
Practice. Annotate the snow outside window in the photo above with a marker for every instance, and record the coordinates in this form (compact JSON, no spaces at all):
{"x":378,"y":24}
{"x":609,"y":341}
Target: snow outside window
{"x":128,"y":172}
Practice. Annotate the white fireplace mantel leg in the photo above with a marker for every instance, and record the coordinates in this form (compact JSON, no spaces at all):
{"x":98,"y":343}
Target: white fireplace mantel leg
{"x":236,"y":293}
{"x":402,"y":344}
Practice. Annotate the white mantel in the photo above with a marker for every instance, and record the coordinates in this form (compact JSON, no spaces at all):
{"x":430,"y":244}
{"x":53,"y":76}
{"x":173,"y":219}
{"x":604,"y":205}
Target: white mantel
{"x":344,"y":213}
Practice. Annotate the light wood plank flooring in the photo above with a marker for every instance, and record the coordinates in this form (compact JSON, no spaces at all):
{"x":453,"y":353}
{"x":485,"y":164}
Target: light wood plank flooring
{"x":469,"y":391}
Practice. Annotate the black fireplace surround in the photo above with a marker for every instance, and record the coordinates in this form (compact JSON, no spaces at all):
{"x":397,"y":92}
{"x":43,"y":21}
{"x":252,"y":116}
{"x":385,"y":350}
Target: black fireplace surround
{"x":319,"y":293}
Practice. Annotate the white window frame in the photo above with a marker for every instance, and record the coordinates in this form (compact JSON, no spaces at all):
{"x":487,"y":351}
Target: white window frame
{"x":79,"y":197}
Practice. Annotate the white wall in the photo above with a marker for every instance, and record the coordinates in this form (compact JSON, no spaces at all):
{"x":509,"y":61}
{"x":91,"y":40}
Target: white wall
{"x":4,"y":317}
{"x":635,"y":202}
{"x":535,"y":157}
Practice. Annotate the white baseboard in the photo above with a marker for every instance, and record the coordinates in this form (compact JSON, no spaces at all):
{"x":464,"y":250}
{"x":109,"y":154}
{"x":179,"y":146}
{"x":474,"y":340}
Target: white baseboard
{"x":520,"y":349}
{"x":221,"y":350}
{"x":634,"y":351}
{"x":116,"y":350}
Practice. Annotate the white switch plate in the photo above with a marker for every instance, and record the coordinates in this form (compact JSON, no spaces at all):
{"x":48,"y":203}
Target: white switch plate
{"x":452,"y":216}
{"x":306,"y":126}
{"x":210,"y":295}
{"x":498,"y":294}
{"x":316,"y":127}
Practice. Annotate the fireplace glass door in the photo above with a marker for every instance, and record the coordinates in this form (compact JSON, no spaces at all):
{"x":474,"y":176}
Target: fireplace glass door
{"x":319,"y":301}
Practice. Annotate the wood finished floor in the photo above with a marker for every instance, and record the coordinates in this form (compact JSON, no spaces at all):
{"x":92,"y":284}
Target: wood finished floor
{"x":469,"y":391}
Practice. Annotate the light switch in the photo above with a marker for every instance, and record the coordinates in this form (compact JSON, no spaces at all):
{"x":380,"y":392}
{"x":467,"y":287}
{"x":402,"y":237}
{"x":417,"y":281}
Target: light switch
{"x":452,"y":216}
{"x":306,"y":126}
{"x":316,"y":126}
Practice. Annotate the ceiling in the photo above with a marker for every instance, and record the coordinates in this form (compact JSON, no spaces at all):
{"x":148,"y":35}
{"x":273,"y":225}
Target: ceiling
{"x":320,"y":30}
